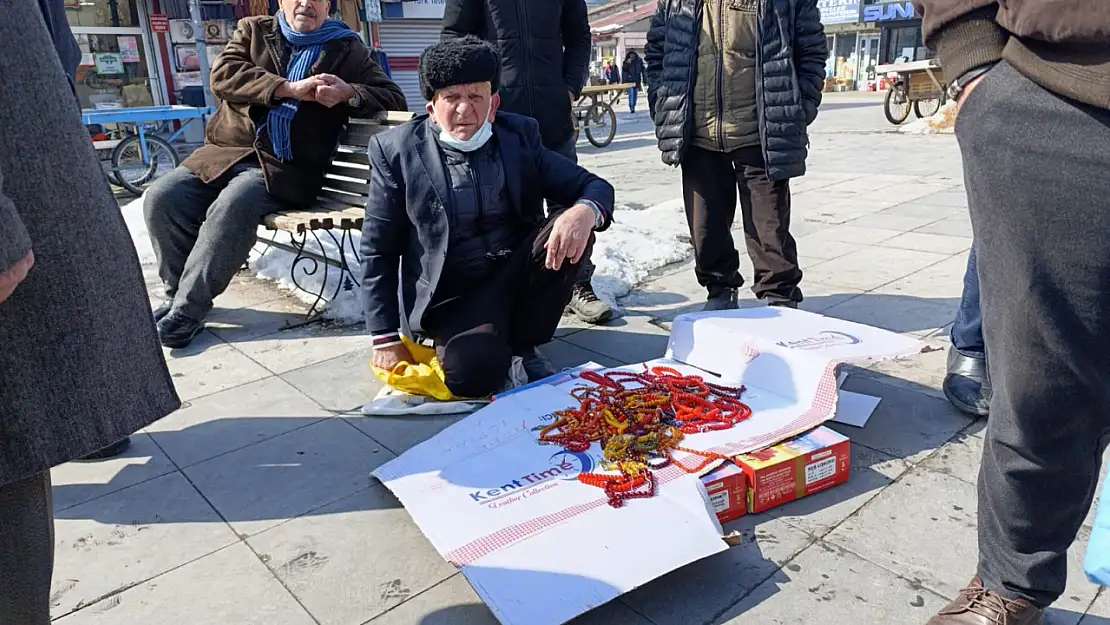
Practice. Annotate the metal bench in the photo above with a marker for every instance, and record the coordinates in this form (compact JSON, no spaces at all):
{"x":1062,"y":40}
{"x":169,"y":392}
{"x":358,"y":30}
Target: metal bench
{"x":338,"y":212}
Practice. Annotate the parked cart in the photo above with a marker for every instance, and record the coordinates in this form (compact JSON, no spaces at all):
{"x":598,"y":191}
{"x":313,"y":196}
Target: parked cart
{"x":593,"y":112}
{"x":919,"y":84}
{"x":140,"y":149}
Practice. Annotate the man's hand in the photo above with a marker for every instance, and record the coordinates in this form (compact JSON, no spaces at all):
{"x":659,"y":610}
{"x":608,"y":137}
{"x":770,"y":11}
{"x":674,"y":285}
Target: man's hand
{"x":12,"y":277}
{"x":569,"y":236}
{"x":386,"y":358}
{"x":966,"y":91}
{"x":333,"y":90}
{"x":304,"y":90}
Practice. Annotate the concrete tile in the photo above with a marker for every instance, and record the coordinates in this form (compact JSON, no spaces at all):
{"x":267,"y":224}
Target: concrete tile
{"x":246,"y":324}
{"x":828,"y":250}
{"x":923,"y":372}
{"x":923,"y":527}
{"x":398,"y":434}
{"x":674,"y":290}
{"x":212,"y":371}
{"x":906,"y":424}
{"x":563,"y":354}
{"x":817,"y":514}
{"x":817,"y":298}
{"x":1099,"y":611}
{"x":126,"y":538}
{"x":342,"y":384}
{"x":285,"y":351}
{"x":232,"y":419}
{"x":846,"y":234}
{"x":293,"y":474}
{"x":78,"y":482}
{"x":631,"y":338}
{"x":701,"y":590}
{"x":900,"y":223}
{"x":917,"y":208}
{"x":958,"y":458}
{"x":343,"y":581}
{"x":453,"y":602}
{"x":898,"y":313}
{"x":247,"y":291}
{"x":199,"y":594}
{"x":958,"y":225}
{"x":921,"y":242}
{"x":839,"y":587}
{"x":872,"y":267}
{"x":956,"y":199}
{"x":944,"y":280}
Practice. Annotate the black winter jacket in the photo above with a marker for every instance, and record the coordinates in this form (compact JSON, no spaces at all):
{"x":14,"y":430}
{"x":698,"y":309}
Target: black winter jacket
{"x":633,"y":69}
{"x":790,"y":73}
{"x":545,"y":53}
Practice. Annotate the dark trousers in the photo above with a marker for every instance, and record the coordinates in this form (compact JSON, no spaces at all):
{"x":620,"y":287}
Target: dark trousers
{"x":586,"y":266}
{"x":477,"y":328}
{"x":26,"y":551}
{"x":709,"y":183}
{"x":1035,"y":167}
{"x":203,"y":233}
{"x":967,"y":328}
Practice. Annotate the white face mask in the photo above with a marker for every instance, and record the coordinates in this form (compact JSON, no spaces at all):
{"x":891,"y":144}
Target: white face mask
{"x":479,"y":139}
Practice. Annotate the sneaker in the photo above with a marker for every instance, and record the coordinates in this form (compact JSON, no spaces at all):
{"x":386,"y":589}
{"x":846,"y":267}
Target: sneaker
{"x":975,"y":605}
{"x":722,"y":299}
{"x":163,"y":308}
{"x":586,"y":306}
{"x":966,"y":384}
{"x":176,"y":331}
{"x":111,"y":451}
{"x":536,"y":365}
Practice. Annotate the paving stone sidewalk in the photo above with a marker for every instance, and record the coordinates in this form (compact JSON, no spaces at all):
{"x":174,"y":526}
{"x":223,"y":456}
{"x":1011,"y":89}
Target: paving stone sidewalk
{"x":252,"y":504}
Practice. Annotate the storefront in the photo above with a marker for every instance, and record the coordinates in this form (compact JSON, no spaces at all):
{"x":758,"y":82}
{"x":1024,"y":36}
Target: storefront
{"x":901,"y":31}
{"x":406,"y":30}
{"x":853,"y":46}
{"x":119,"y":67}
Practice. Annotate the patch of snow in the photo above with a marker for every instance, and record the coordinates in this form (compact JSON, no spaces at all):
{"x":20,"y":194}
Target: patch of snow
{"x":943,"y":122}
{"x":638,"y":243}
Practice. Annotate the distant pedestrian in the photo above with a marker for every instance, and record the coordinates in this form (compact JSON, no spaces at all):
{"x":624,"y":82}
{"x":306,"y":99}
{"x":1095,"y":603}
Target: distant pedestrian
{"x":1031,"y":81}
{"x":633,"y":70}
{"x":80,"y":364}
{"x":612,"y":73}
{"x":731,"y":96}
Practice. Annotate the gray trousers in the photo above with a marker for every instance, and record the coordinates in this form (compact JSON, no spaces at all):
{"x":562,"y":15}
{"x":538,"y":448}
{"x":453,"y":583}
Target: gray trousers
{"x":1035,"y":167}
{"x":26,"y":551}
{"x":203,"y":233}
{"x":586,"y":271}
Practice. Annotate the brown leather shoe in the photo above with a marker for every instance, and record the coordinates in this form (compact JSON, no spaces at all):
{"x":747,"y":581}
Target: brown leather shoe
{"x":978,"y":606}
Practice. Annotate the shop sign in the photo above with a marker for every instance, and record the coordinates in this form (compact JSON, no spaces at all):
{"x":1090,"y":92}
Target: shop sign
{"x":129,"y":49}
{"x":889,"y":11}
{"x":109,"y":63}
{"x":838,"y":11}
{"x":423,"y":9}
{"x":159,"y":23}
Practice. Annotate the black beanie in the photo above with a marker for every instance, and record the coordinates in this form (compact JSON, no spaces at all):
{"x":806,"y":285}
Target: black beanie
{"x":459,"y":62}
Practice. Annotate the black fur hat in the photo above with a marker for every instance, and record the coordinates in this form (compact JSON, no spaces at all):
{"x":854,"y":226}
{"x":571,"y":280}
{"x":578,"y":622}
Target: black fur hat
{"x":458,"y":62}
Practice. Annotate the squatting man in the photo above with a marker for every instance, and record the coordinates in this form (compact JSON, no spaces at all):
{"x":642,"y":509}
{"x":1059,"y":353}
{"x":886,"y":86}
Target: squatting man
{"x":455,"y":224}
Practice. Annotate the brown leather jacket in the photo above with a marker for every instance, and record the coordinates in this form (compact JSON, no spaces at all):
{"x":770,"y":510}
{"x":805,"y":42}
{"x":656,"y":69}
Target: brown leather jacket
{"x":244,"y":79}
{"x":1063,"y":45}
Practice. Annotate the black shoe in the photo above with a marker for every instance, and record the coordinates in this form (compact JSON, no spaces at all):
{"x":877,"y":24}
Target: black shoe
{"x":536,"y":365}
{"x":967,"y":385}
{"x":163,"y":309}
{"x":175,"y":330}
{"x":587,"y":307}
{"x":721,"y":299}
{"x":784,"y":304}
{"x":110,"y":451}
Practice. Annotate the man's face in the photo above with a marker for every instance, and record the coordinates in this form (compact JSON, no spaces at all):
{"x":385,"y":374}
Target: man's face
{"x":461,"y":109}
{"x":305,"y":16}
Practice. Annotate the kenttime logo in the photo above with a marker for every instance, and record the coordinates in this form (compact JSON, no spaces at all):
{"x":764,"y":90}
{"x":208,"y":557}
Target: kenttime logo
{"x":565,"y":466}
{"x":828,"y":338}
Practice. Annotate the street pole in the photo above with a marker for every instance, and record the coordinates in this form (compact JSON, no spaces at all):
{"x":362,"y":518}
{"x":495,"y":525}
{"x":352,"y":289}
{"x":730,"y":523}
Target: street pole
{"x":202,"y":52}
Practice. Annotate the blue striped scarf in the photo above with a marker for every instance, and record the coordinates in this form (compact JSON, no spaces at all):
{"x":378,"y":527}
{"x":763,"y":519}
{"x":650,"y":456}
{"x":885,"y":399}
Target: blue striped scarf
{"x":306,"y":49}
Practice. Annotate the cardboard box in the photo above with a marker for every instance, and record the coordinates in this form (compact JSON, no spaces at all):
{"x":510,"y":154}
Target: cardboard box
{"x":727,"y":487}
{"x":793,"y":469}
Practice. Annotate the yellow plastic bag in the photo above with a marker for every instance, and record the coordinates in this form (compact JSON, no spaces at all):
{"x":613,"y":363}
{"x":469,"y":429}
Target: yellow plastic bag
{"x":424,"y":377}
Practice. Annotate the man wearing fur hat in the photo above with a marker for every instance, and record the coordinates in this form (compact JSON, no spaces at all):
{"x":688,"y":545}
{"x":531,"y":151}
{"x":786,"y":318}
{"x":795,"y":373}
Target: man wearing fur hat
{"x":455,"y":223}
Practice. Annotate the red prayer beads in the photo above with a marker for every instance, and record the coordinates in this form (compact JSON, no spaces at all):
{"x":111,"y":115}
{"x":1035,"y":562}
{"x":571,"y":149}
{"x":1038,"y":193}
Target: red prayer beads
{"x":639,"y":419}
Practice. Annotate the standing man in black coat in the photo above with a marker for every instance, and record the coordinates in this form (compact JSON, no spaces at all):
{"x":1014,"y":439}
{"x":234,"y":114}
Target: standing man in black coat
{"x":545,"y":55}
{"x":633,"y":71}
{"x":732,"y":86}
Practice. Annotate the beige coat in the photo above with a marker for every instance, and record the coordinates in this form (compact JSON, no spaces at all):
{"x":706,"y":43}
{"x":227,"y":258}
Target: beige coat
{"x":725,"y":108}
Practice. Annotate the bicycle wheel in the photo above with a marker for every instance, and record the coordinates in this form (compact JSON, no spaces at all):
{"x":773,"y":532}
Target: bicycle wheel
{"x":926,"y":108}
{"x":602,"y":126}
{"x":897,"y":107}
{"x":133,"y":171}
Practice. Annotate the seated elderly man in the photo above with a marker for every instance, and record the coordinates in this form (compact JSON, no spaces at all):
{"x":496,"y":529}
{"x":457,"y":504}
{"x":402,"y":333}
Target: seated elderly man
{"x":287,"y":85}
{"x":455,"y":224}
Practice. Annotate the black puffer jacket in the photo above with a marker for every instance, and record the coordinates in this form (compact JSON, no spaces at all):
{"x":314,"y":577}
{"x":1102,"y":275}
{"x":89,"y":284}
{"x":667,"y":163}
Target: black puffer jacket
{"x":790,"y":72}
{"x":545,"y":51}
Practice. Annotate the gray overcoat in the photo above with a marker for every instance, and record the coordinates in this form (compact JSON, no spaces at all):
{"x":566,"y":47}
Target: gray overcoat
{"x":80,"y":364}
